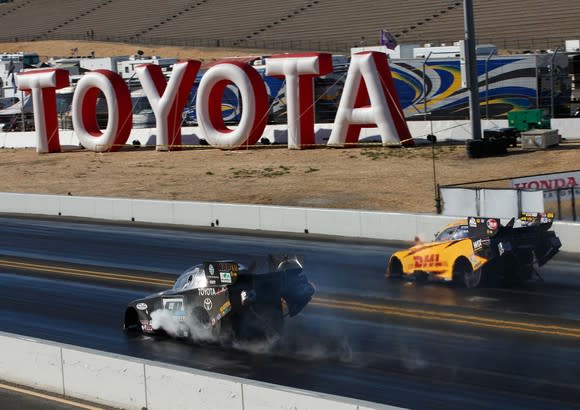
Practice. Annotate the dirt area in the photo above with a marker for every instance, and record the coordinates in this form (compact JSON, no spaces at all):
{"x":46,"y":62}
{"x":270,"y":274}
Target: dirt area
{"x":371,"y":177}
{"x":48,"y":49}
{"x":368,"y":177}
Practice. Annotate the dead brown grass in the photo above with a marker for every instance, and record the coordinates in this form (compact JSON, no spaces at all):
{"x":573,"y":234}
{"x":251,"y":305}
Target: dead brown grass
{"x":62,"y":48}
{"x":373,"y":178}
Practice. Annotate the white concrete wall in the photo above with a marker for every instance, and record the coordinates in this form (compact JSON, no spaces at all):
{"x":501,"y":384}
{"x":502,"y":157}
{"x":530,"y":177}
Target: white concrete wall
{"x":28,"y":362}
{"x":105,"y":379}
{"x":131,"y":383}
{"x":458,"y":130}
{"x":339,"y":222}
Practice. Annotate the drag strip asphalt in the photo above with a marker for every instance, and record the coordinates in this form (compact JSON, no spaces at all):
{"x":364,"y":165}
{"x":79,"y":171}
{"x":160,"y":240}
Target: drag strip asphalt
{"x":407,"y":344}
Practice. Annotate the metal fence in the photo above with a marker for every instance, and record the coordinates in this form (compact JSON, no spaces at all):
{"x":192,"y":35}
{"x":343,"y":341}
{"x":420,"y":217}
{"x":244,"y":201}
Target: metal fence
{"x":466,"y":197}
{"x":565,"y":203}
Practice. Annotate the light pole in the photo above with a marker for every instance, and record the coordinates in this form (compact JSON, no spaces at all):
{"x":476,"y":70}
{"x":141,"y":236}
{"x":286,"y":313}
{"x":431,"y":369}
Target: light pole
{"x":471,"y":69}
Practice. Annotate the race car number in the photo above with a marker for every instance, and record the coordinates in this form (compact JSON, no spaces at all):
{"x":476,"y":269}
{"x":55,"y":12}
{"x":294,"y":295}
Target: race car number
{"x":427,"y":261}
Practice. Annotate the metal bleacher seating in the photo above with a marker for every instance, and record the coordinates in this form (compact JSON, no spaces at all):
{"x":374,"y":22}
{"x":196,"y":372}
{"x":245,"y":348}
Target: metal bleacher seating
{"x":290,"y":24}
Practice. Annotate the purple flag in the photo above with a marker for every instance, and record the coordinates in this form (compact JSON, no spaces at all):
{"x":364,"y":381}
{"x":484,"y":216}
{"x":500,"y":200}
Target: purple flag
{"x":387,"y":39}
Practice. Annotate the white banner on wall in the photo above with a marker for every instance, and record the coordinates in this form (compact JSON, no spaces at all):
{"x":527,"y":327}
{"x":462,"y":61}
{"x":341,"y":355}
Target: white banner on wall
{"x":557,"y":191}
{"x":569,"y":179}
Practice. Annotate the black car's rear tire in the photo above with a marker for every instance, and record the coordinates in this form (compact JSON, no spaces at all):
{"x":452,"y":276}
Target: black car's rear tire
{"x":260,"y":321}
{"x":465,"y":275}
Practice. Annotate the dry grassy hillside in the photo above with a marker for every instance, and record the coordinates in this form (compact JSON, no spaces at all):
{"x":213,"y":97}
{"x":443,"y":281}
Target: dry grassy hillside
{"x":47,"y":49}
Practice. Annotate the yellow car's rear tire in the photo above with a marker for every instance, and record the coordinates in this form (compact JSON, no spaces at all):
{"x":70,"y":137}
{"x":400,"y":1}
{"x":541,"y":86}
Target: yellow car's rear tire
{"x":465,"y":275}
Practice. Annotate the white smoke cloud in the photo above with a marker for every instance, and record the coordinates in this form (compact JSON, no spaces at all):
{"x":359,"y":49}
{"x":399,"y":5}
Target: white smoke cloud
{"x":177,"y":326}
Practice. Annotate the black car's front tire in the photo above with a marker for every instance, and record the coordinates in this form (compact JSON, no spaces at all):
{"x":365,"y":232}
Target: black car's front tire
{"x":132,"y":324}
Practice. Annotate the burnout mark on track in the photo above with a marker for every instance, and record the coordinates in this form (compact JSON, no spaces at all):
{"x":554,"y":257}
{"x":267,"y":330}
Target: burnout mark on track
{"x":482,"y":299}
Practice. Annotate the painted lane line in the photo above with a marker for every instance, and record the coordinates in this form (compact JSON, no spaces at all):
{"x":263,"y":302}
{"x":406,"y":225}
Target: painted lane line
{"x":342,"y":304}
{"x":48,"y":397}
{"x":87,"y":273}
{"x":463,"y":320}
{"x":425,"y":313}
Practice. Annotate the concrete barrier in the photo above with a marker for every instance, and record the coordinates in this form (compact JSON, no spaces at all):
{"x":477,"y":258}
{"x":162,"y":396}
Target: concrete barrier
{"x":135,"y":384}
{"x":451,"y":130}
{"x":103,"y":378}
{"x":338,"y":222}
{"x":26,"y":361}
{"x":170,"y":388}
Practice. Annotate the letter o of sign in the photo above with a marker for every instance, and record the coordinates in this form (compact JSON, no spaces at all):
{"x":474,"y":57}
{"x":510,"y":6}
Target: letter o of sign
{"x":255,"y":105}
{"x":84,"y":111}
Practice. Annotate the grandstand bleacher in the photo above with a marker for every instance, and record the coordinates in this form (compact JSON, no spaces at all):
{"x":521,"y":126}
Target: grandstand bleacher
{"x":332,"y":25}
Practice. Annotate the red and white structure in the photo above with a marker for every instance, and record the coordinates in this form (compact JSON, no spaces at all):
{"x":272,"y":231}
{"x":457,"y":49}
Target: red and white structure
{"x":369,"y":100}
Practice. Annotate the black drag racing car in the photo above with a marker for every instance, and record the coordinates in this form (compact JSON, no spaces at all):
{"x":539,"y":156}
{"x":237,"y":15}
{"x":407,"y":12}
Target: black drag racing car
{"x":223,"y":301}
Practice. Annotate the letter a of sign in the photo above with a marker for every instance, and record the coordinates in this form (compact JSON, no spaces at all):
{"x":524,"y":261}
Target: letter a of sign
{"x":369,"y":99}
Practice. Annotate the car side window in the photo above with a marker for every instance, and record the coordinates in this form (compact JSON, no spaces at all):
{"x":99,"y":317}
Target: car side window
{"x":446,"y":235}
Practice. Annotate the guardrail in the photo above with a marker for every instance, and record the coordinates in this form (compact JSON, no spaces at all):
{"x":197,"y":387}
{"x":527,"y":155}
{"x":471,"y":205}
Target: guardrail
{"x":131,"y":383}
{"x":339,"y":222}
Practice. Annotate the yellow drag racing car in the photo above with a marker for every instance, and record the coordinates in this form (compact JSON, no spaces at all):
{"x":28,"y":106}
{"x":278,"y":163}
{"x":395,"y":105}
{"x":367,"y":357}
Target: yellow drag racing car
{"x":472,"y":250}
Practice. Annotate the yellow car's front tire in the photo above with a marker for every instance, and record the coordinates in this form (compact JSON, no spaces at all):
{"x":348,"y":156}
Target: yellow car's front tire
{"x":395,"y":269}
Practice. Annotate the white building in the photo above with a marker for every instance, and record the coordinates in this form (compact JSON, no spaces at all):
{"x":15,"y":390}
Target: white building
{"x":11,"y":64}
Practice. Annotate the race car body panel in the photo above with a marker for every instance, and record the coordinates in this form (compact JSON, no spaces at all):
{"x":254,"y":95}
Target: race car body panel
{"x":224,"y":298}
{"x":437,"y":258}
{"x":470,"y":250}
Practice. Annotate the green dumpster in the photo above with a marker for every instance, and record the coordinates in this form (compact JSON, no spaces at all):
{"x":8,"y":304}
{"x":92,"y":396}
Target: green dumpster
{"x":525,"y":120}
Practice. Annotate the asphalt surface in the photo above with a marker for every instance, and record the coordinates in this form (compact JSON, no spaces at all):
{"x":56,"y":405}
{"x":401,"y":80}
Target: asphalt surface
{"x":406,"y":344}
{"x":14,"y":397}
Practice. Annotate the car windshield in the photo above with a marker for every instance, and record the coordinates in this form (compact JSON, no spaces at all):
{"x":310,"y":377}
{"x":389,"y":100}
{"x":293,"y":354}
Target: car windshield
{"x":193,"y":278}
{"x":453,"y":233}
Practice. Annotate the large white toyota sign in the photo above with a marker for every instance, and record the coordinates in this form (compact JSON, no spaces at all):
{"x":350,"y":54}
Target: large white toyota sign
{"x":369,"y":100}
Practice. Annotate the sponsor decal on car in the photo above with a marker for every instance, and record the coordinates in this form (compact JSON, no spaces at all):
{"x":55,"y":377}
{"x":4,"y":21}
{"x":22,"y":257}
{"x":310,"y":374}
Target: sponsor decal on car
{"x":175,"y":306}
{"x":226,"y":277}
{"x":206,"y":292}
{"x":472,"y":222}
{"x":427,"y":261}
{"x":492,"y":224}
{"x":225,"y":308}
{"x":146,"y":326}
{"x":141,"y":306}
{"x":207,"y":304}
{"x":475,"y":262}
{"x":477,"y":245}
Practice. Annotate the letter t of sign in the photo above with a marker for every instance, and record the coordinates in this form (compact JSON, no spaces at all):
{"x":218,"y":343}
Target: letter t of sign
{"x":43,"y":85}
{"x":299,"y":71}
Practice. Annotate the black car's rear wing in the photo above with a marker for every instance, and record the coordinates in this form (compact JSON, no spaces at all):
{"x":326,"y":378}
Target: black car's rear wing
{"x":530,"y":232}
